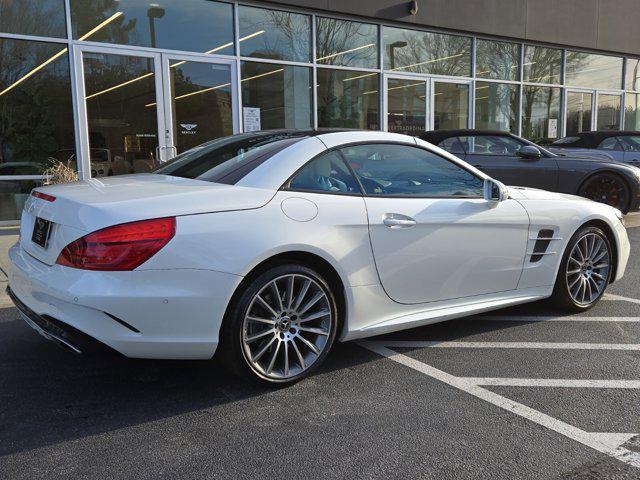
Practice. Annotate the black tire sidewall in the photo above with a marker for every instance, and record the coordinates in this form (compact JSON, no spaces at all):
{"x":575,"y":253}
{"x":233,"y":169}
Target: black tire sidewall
{"x":231,"y":335}
{"x":615,"y":176}
{"x":561,"y":293}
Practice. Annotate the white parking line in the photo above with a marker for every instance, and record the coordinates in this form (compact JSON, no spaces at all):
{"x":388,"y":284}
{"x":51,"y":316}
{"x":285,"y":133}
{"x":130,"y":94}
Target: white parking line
{"x":607,"y":443}
{"x":620,"y":298}
{"x":553,"y":382}
{"x":531,"y":345}
{"x":497,"y":318}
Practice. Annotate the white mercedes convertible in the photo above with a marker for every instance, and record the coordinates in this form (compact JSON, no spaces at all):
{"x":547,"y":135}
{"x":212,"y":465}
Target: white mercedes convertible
{"x":267,"y":247}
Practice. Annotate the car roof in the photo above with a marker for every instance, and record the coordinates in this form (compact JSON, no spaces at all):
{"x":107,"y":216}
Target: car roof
{"x":593,"y":139}
{"x":437,"y":136}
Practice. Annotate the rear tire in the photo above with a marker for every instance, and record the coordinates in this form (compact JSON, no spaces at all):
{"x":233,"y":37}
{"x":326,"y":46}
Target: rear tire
{"x":281,"y":327}
{"x":584,"y":272}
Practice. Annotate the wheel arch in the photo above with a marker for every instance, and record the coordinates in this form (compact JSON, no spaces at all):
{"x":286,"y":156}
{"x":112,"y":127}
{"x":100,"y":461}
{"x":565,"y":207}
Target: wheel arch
{"x":307,"y":259}
{"x":608,"y":171}
{"x":608,"y":231}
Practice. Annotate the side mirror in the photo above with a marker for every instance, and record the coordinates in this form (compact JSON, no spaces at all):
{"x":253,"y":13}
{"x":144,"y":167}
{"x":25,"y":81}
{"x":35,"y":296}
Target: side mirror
{"x":530,"y":152}
{"x":495,"y":191}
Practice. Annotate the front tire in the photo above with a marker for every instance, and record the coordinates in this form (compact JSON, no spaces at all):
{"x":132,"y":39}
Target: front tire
{"x":281,"y":327}
{"x":584,"y":272}
{"x":607,"y":188}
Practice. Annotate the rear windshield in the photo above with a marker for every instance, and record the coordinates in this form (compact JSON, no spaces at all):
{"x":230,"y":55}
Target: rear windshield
{"x":229,"y":159}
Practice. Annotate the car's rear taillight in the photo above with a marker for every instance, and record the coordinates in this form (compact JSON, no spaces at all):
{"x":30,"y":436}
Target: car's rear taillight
{"x":121,"y":247}
{"x":43,"y":196}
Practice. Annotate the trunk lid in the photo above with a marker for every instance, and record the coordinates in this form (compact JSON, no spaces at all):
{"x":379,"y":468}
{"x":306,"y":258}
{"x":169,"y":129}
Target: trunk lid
{"x":89,"y":205}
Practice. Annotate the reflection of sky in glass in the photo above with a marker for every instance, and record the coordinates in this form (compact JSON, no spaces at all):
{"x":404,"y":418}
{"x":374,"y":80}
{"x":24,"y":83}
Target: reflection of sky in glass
{"x":594,"y":71}
{"x":632,"y":81}
{"x":190,"y":25}
{"x":274,"y":34}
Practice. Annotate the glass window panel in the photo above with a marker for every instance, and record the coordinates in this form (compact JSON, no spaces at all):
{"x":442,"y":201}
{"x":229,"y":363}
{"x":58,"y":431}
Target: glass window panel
{"x":280,"y":93}
{"x":36,"y":115}
{"x":593,"y":71}
{"x":274,"y":34}
{"x":173,"y":24}
{"x":33,"y":17}
{"x":121,"y":112}
{"x":406,"y":106}
{"x":200,"y":102}
{"x":13,"y":195}
{"x":326,"y":174}
{"x":578,"y":112}
{"x":491,"y":145}
{"x":404,"y":171}
{"x":342,"y":42}
{"x":450,"y":106}
{"x":631,"y":143}
{"x":348,"y":99}
{"x":632,"y":112}
{"x":632,"y":81}
{"x":426,"y":52}
{"x":498,"y":60}
{"x":540,"y":113}
{"x":608,"y":112}
{"x":542,"y":65}
{"x":497,"y":106}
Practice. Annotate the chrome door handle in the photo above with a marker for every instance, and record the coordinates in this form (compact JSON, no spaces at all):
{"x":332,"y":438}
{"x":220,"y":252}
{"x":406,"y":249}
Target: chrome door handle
{"x":399,"y":221}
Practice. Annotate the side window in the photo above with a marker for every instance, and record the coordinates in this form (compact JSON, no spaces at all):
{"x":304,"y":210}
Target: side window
{"x":631,"y":143}
{"x":327,"y":173}
{"x":491,"y":145}
{"x":405,"y":171}
{"x":452,"y":145}
{"x":610,"y":143}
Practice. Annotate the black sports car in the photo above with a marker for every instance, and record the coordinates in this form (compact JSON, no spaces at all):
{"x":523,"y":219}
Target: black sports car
{"x":516,"y":161}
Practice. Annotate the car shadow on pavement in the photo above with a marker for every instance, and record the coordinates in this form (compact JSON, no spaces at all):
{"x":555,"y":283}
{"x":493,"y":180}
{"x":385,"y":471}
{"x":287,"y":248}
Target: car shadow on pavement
{"x":49,"y":395}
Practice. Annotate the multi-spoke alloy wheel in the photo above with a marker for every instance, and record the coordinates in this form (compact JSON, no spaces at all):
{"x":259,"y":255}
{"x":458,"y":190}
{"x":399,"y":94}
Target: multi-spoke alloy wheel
{"x":585,"y":270}
{"x":287,"y":325}
{"x":588,"y":269}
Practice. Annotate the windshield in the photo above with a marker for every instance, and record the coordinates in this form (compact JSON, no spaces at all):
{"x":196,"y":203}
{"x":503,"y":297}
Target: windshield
{"x":229,"y":159}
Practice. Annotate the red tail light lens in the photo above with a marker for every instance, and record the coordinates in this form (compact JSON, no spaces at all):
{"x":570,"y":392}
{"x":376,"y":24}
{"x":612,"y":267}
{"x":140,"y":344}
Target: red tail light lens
{"x":43,"y":196}
{"x":121,"y":247}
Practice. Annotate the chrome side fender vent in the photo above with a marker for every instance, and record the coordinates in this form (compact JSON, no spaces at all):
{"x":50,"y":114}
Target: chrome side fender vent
{"x":541,"y":245}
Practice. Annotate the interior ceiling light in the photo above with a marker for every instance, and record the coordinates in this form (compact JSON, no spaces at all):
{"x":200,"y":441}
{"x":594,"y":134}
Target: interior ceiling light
{"x":359,"y":76}
{"x":173,"y":65}
{"x":346,"y":51}
{"x":429,"y":61}
{"x":59,"y":54}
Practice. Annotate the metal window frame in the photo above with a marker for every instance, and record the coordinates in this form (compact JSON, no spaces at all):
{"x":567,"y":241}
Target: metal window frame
{"x":79,"y":107}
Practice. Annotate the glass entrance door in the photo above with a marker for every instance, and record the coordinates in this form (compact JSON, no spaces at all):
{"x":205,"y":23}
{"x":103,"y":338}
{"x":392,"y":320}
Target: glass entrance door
{"x":415,"y":104}
{"x":450,"y":105}
{"x":199,"y":101}
{"x":142,"y":108}
{"x":406,"y":105}
{"x":579,"y":112}
{"x":121,"y":118}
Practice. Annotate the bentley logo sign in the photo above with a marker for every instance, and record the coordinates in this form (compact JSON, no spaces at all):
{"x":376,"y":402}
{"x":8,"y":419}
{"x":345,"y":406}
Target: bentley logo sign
{"x":189,"y":128}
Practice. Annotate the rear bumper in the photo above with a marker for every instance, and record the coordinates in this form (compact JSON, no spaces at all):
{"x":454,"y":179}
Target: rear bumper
{"x":63,"y":335}
{"x":163,"y":314}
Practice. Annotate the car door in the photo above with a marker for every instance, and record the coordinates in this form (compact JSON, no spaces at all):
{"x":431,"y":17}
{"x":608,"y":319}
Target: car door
{"x":497,"y":156}
{"x":433,"y":235}
{"x":631,"y":145}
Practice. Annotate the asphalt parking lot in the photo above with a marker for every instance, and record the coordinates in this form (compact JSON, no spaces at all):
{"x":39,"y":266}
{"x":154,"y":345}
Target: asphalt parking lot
{"x":523,"y":393}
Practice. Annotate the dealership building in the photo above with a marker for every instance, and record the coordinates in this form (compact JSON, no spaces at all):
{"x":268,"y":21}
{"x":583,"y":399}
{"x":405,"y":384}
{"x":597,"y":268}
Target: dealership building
{"x":109,"y":87}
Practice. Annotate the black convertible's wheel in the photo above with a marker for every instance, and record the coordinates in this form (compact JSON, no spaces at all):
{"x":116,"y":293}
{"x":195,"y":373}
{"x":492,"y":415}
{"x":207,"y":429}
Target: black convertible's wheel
{"x":607,"y":188}
{"x":585,"y":270}
{"x":281,"y":327}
